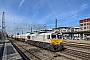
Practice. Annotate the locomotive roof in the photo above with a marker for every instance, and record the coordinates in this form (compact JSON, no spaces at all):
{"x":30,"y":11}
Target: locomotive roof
{"x":25,"y":34}
{"x":33,"y":34}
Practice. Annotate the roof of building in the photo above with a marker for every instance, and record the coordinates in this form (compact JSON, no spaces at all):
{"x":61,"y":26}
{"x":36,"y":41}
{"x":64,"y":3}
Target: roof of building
{"x":67,"y":27}
{"x":78,"y":32}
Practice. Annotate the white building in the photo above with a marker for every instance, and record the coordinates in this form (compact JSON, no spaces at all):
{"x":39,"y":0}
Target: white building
{"x":84,"y":24}
{"x":65,"y":30}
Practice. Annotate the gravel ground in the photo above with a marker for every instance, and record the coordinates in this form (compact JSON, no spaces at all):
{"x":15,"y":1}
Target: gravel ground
{"x":39,"y":52}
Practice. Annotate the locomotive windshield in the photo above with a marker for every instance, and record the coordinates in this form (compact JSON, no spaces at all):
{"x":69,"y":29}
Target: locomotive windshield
{"x":53,"y":36}
{"x":59,"y":36}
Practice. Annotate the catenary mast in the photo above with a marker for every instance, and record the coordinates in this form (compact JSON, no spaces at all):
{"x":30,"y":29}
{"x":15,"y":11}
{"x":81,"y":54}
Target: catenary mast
{"x":3,"y":26}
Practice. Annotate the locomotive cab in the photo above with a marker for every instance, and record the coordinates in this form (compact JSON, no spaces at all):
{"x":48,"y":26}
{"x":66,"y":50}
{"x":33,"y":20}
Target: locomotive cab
{"x":56,"y":39}
{"x":56,"y":42}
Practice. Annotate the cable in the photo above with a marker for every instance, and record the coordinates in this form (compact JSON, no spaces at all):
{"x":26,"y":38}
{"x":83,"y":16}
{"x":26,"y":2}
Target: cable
{"x":2,"y":7}
{"x":11,"y":17}
{"x":33,"y":10}
{"x":75,"y":14}
{"x":68,"y":8}
{"x":71,"y":16}
{"x":38,"y":6}
{"x":26,"y":10}
{"x":80,"y":12}
{"x":51,"y":7}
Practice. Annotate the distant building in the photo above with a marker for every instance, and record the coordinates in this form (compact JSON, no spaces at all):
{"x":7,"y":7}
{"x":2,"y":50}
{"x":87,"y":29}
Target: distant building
{"x":74,"y":29}
{"x":84,"y":24}
{"x":42,"y":31}
{"x":62,"y":29}
{"x":66,"y":29}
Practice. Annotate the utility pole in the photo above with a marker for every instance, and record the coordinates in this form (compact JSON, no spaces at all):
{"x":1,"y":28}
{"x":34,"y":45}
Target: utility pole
{"x":3,"y":26}
{"x":22,"y":32}
{"x":31,"y":29}
{"x":56,"y":23}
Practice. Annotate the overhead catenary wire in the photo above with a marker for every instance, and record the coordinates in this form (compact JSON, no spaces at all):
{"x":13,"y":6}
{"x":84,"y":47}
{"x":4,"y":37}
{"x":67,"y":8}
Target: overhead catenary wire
{"x":69,"y":6}
{"x":51,"y":7}
{"x":2,"y":6}
{"x":66,"y":9}
{"x":80,"y":12}
{"x":61,"y":11}
{"x":33,"y":10}
{"x":29,"y":13}
{"x":74,"y":15}
{"x":25,"y":10}
{"x":11,"y":17}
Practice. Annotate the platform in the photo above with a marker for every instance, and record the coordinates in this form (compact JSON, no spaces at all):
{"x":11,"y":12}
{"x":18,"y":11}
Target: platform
{"x":8,"y":52}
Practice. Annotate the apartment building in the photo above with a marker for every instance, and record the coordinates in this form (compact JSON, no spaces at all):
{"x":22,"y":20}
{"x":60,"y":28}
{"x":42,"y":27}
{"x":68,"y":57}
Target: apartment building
{"x":84,"y":24}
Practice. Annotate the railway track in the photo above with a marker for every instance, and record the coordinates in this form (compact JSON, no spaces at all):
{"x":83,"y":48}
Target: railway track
{"x":78,"y":45}
{"x":42,"y":54}
{"x":81,"y":51}
{"x":39,"y":53}
{"x":78,"y":54}
{"x":20,"y":52}
{"x":21,"y":47}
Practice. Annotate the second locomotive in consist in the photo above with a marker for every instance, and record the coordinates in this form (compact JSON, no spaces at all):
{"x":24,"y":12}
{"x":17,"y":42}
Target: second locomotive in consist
{"x":48,"y":40}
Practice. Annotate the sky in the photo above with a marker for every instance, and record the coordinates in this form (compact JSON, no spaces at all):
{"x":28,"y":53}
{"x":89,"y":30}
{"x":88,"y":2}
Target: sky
{"x":21,"y":15}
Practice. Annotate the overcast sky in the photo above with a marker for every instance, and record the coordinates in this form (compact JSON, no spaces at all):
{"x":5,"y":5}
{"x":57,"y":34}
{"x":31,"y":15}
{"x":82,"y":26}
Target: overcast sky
{"x":67,"y":12}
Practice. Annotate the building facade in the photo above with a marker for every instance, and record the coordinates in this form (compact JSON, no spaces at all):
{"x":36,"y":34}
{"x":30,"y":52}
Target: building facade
{"x":67,"y":31}
{"x":84,"y":24}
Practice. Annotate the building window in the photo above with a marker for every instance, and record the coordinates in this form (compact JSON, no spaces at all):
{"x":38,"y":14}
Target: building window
{"x":81,"y":21}
{"x":84,"y":24}
{"x":88,"y":23}
{"x":81,"y":24}
{"x":87,"y":27}
{"x":81,"y":28}
{"x":84,"y":27}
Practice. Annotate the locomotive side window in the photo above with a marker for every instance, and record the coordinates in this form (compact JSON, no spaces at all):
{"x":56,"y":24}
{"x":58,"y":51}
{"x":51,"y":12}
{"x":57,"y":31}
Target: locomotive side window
{"x":28,"y":37}
{"x":48,"y":36}
{"x":53,"y":36}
